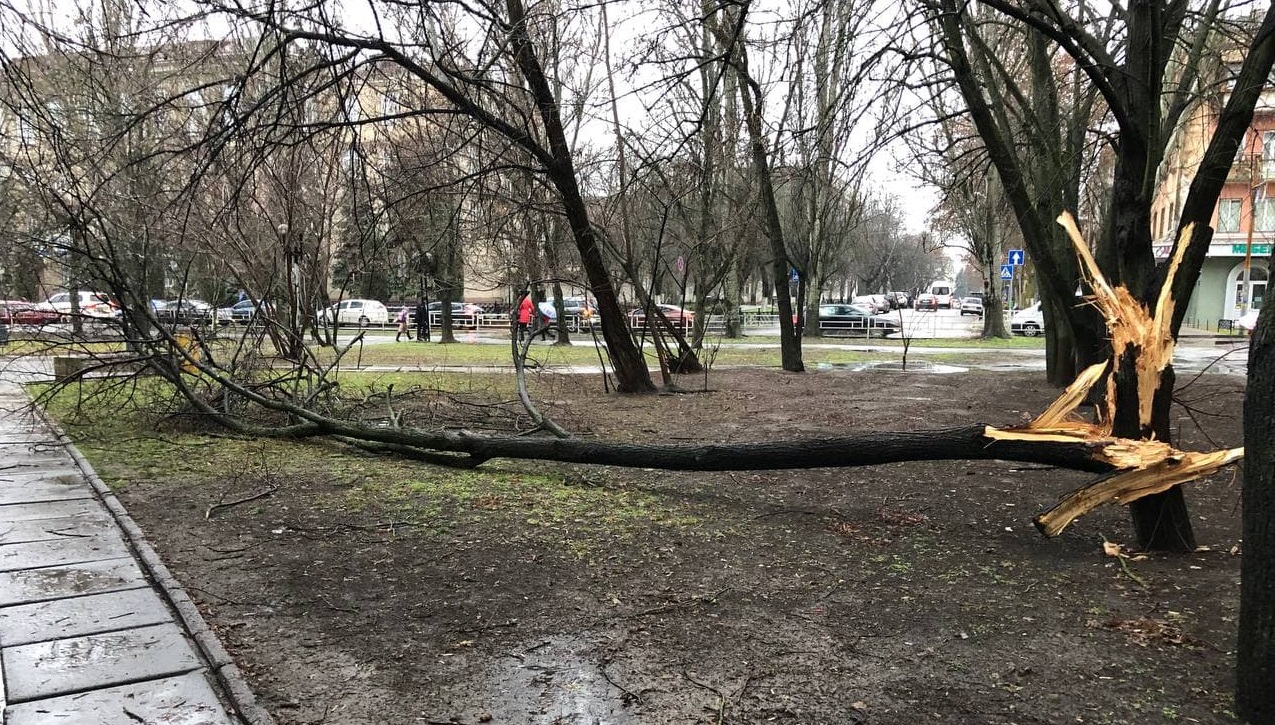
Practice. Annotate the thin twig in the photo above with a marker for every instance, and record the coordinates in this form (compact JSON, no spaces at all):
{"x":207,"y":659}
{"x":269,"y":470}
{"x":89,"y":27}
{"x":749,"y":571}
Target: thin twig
{"x":208,"y":513}
{"x":628,"y":694}
{"x":692,"y":601}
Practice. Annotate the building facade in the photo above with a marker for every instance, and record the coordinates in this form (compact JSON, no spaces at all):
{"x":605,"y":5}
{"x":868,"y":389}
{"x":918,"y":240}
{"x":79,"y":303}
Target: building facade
{"x":1236,"y":272}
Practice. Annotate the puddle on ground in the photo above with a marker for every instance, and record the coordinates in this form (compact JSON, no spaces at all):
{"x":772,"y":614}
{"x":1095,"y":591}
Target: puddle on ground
{"x":916,"y":366}
{"x":557,"y":680}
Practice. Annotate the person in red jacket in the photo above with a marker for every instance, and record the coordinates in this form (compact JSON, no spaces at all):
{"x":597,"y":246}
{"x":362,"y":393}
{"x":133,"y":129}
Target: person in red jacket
{"x":525,"y":313}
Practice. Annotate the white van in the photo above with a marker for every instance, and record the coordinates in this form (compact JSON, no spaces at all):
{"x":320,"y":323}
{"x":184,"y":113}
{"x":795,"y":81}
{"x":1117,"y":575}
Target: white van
{"x":942,"y":291}
{"x":1029,"y":321}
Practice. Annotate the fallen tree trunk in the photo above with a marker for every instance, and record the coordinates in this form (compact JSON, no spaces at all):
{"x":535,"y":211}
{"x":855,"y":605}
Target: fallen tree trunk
{"x":867,"y":449}
{"x":1135,"y":467}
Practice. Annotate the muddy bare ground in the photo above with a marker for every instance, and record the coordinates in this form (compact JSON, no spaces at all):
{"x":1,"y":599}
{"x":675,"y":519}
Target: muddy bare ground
{"x":897,"y":594}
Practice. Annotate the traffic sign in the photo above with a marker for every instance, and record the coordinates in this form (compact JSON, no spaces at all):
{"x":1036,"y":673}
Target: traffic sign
{"x":1007,"y":271}
{"x":1016,"y":258}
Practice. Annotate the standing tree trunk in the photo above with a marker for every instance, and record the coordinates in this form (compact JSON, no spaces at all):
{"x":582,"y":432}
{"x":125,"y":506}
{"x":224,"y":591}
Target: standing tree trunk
{"x":631,"y":372}
{"x":1255,"y":653}
{"x":751,"y":99}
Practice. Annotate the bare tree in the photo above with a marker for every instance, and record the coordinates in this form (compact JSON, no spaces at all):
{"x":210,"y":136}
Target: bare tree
{"x":1127,"y":58}
{"x":502,"y":87}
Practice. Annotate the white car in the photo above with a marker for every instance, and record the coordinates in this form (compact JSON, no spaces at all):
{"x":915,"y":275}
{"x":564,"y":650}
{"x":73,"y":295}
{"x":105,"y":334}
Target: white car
{"x":91,"y":304}
{"x":972,"y":306}
{"x":876,"y":303}
{"x":356,"y":312}
{"x":1248,"y":320}
{"x":1029,"y":321}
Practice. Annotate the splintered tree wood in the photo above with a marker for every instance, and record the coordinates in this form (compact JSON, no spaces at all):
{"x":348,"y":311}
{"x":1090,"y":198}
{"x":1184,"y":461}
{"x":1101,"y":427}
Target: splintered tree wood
{"x":1132,"y":485}
{"x":1143,"y":467}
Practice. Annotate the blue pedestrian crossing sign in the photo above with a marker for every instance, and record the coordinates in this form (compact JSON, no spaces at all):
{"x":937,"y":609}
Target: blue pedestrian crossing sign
{"x":1016,"y":258}
{"x":1007,"y":271}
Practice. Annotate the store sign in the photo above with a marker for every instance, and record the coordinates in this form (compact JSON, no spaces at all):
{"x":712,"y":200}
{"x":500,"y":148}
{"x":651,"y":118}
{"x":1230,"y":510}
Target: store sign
{"x":1259,"y":249}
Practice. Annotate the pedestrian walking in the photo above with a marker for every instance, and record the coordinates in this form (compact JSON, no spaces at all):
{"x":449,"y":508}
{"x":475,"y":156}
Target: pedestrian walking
{"x":548,"y":316}
{"x":525,"y":309}
{"x":401,"y":319}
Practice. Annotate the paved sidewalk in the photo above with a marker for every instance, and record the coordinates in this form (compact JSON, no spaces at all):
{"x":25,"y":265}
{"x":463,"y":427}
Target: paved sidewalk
{"x":93,"y":628}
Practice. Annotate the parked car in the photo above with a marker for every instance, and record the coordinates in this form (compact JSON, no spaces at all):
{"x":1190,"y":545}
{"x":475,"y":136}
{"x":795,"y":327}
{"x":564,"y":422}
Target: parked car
{"x":91,"y":304}
{"x":845,"y":319}
{"x":464,"y":314}
{"x":355,"y":312}
{"x":243,"y":311}
{"x":21,"y":312}
{"x":182,"y":311}
{"x":675,"y":315}
{"x":972,"y":306}
{"x":1029,"y":321}
{"x":927,"y":301}
{"x":579,"y":313}
{"x":876,"y":303}
{"x":901,"y":300}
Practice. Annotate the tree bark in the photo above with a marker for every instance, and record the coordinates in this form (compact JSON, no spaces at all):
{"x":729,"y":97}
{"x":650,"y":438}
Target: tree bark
{"x":751,"y":99}
{"x":631,"y":372}
{"x":867,"y":449}
{"x":1255,"y":653}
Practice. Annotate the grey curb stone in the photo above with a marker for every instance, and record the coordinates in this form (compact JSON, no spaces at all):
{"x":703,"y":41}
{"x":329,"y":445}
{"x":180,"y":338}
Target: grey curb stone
{"x":231,"y":679}
{"x":217,"y":655}
{"x":252,"y":713}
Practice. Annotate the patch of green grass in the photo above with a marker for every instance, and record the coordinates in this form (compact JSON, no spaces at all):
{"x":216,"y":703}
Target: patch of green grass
{"x":543,"y":501}
{"x":760,"y":351}
{"x":360,"y":383}
{"x":121,"y":430}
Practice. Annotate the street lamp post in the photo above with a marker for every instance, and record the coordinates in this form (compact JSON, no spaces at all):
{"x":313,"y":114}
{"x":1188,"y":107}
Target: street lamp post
{"x":1254,"y":197}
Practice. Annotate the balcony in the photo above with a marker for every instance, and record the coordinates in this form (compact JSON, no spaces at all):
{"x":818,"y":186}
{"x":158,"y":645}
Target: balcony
{"x":1251,"y":169}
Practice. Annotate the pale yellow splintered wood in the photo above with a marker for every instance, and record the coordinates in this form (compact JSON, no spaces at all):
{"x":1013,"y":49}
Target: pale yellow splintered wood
{"x":1134,"y":484}
{"x":1143,"y":467}
{"x":1065,"y":405}
{"x":1129,"y":322}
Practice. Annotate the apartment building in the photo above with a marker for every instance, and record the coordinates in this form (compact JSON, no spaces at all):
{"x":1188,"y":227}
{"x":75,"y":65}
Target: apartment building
{"x":1236,"y":271}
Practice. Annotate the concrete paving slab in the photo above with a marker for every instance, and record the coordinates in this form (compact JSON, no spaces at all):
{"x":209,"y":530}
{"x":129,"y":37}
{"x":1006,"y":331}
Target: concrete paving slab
{"x":79,"y":616}
{"x":40,"y":554}
{"x":50,"y":510}
{"x":77,"y":664}
{"x":21,"y":460}
{"x":10,"y":436}
{"x":184,"y":700}
{"x":24,"y":474}
{"x":44,"y":488}
{"x":54,"y":582}
{"x":55,"y":529}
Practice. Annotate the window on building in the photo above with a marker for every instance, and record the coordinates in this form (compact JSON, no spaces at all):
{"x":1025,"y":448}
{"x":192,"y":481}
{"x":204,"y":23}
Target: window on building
{"x":389,"y":104}
{"x":1264,"y":215}
{"x":352,"y":109}
{"x":1268,"y":154}
{"x":196,"y":112}
{"x":26,"y":131}
{"x":1228,"y":215}
{"x":229,"y":99}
